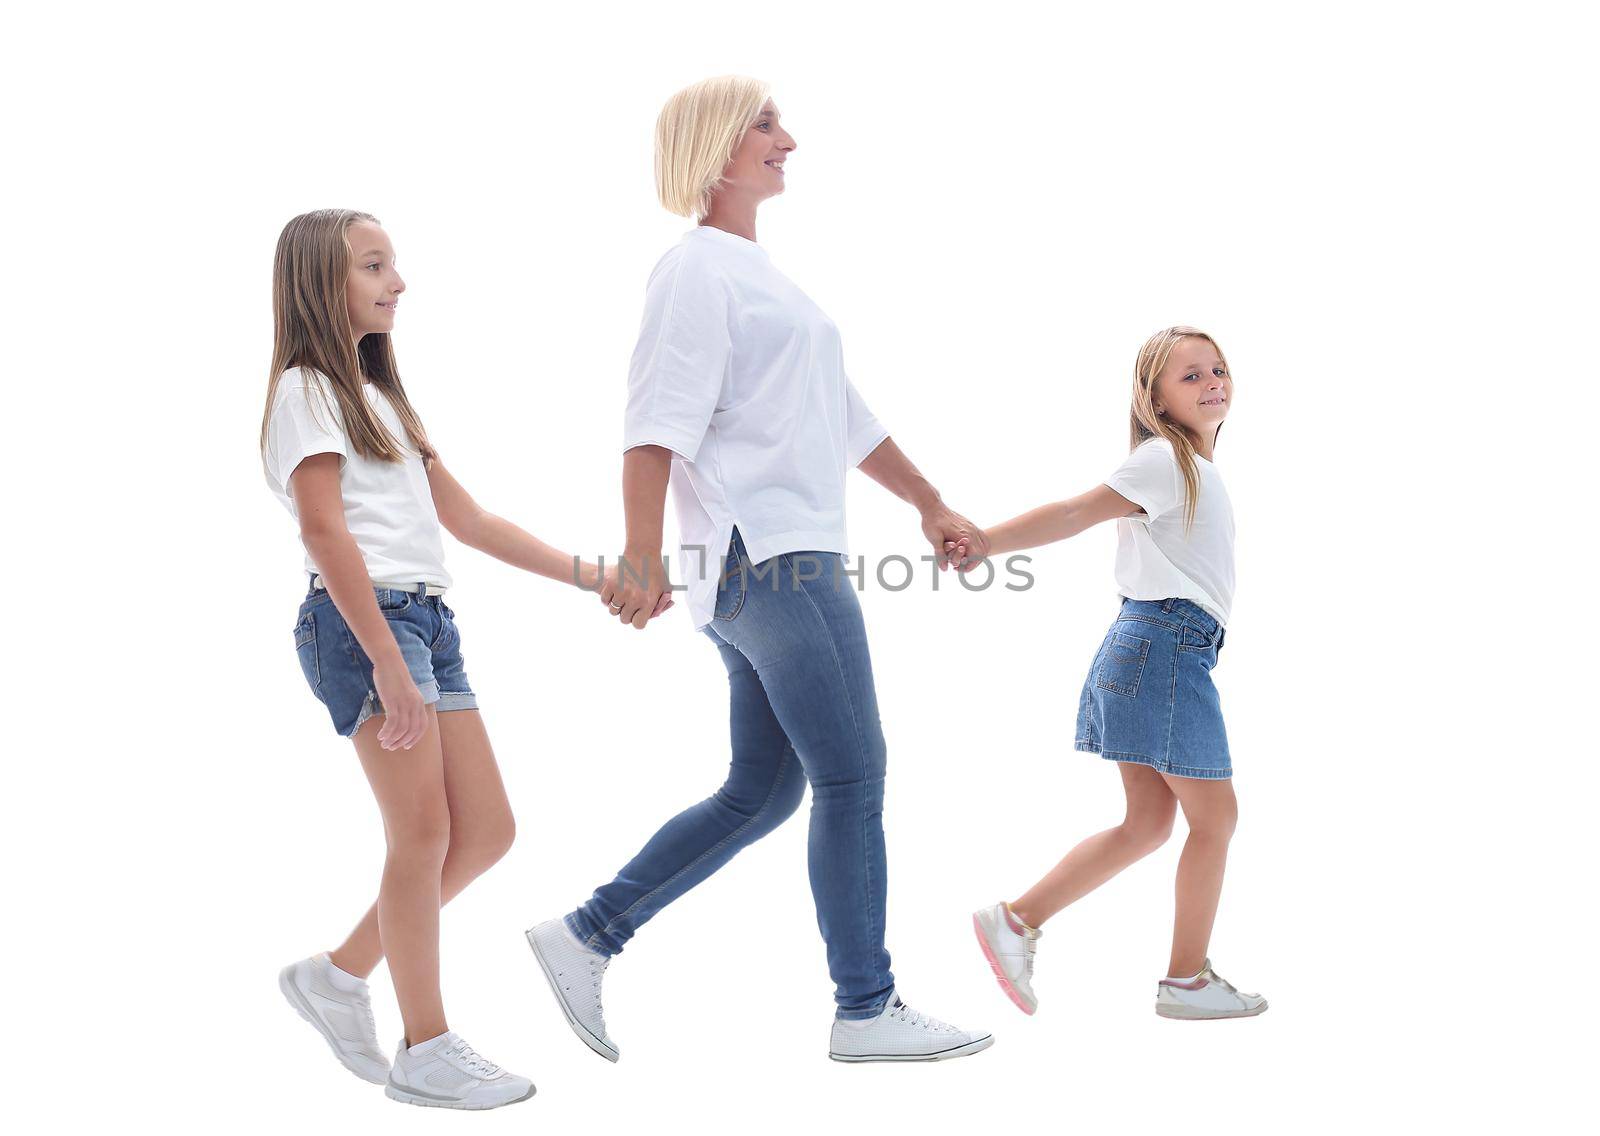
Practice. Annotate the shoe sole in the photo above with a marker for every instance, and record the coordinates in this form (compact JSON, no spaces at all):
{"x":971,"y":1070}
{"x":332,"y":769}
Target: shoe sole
{"x":297,"y":1000}
{"x":1200,"y":1014}
{"x":578,"y":1027}
{"x":407,"y":1096}
{"x":946,"y":1055}
{"x":999,"y":972}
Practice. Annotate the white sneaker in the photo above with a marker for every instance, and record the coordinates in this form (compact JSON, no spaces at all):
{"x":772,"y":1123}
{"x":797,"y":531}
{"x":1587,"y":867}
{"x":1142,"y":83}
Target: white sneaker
{"x":902,"y":1034}
{"x":446,"y":1073}
{"x":1009,"y":946}
{"x":1206,"y":995}
{"x":344,"y":1019}
{"x":574,"y":973}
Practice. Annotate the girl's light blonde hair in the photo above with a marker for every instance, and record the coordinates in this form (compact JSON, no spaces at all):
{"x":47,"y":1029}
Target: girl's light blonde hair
{"x":1143,"y":421}
{"x":696,"y":134}
{"x":311,"y":328}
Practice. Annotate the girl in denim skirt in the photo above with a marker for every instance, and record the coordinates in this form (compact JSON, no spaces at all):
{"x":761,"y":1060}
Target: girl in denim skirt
{"x":1148,"y":702}
{"x":346,"y":453}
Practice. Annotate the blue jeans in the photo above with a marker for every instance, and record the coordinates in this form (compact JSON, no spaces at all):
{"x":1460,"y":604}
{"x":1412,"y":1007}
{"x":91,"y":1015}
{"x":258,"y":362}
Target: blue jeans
{"x":804,"y":709}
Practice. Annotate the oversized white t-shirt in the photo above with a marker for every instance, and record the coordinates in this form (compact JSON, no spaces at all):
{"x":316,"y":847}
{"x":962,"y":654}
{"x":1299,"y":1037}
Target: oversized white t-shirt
{"x":742,"y":377}
{"x":1154,"y":558}
{"x":388,"y":506}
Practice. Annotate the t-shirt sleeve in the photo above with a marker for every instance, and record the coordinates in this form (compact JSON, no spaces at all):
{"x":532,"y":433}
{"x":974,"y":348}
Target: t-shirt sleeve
{"x":863,"y":432}
{"x":1150,"y":479}
{"x":678,"y":366}
{"x":304,"y":422}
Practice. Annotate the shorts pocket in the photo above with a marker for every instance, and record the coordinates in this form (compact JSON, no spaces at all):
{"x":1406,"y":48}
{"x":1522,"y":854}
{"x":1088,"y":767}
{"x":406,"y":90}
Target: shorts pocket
{"x":392,"y":601}
{"x":305,"y":645}
{"x":1194,"y":639}
{"x":1122,"y":662}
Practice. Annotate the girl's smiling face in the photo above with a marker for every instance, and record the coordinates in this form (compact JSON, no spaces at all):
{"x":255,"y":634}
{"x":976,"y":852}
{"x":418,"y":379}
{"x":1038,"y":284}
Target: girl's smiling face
{"x":372,"y":288}
{"x":756,"y":168}
{"x":1194,"y":389}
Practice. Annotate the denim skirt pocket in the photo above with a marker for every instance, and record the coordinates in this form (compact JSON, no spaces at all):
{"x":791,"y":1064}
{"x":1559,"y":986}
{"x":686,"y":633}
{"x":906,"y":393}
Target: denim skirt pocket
{"x":1121,"y":664}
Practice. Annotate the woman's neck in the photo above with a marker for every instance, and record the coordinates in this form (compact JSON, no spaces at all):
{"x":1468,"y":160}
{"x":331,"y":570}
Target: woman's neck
{"x":732,"y":216}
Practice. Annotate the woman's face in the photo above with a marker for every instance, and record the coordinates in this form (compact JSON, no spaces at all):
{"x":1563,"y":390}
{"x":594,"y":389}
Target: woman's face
{"x":756,"y":168}
{"x":372,"y":289}
{"x":1194,"y":389}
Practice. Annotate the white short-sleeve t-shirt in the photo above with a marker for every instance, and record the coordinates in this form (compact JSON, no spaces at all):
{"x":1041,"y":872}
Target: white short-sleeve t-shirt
{"x":388,"y":506}
{"x":742,"y":377}
{"x":1155,"y":560}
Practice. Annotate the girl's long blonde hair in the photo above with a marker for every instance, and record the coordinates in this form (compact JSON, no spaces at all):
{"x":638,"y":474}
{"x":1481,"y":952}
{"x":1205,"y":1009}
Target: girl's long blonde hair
{"x":696,"y":134}
{"x":1143,"y":421}
{"x":311,"y":328}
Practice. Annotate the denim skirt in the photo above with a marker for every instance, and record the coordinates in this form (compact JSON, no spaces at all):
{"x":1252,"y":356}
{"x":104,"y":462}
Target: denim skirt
{"x":1149,"y":697}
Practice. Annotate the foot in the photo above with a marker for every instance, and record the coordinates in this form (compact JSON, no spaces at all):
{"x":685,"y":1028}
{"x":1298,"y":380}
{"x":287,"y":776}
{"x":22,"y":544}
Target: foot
{"x":445,"y":1073}
{"x":574,"y":972}
{"x":1206,"y":995}
{"x":902,"y":1034}
{"x":1009,"y":947}
{"x":342,"y":1016}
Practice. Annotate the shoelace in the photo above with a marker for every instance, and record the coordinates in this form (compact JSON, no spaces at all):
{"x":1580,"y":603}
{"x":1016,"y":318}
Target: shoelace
{"x":468,"y":1056}
{"x":597,"y":971}
{"x":918,"y":1019}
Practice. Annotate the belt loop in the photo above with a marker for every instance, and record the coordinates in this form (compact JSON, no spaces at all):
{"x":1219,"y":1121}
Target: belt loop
{"x":1166,"y":605}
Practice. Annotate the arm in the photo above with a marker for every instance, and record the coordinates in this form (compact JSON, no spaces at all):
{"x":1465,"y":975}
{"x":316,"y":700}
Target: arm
{"x":951,"y":534}
{"x":634,"y":594}
{"x":1060,"y":519}
{"x":320,"y":507}
{"x":476,"y":527}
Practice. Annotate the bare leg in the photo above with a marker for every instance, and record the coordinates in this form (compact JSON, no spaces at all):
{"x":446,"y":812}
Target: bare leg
{"x":1148,"y":823}
{"x":409,"y":785}
{"x":481,"y":829}
{"x":1212,"y":812}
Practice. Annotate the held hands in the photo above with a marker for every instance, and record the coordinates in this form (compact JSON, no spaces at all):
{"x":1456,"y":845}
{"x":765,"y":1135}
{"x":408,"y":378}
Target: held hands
{"x":640,"y":594}
{"x":957,"y":542}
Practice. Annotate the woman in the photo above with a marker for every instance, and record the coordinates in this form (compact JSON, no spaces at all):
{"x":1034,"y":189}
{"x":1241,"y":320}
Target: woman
{"x":738,"y":399}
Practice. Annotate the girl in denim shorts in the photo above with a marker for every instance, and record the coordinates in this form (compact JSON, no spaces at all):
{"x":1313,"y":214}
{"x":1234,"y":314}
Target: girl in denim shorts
{"x":1148,"y":702}
{"x":346,"y":453}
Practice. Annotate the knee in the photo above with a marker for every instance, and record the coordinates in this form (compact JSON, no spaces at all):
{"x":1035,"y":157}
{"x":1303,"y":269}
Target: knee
{"x":483,"y":844}
{"x":1148,"y":829}
{"x":1215,"y":824}
{"x":421,"y":836}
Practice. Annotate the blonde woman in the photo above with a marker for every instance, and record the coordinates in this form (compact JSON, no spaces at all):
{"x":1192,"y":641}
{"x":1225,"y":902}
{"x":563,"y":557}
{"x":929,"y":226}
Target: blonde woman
{"x":1149,"y":702}
{"x":738,"y":400}
{"x":346,"y":454}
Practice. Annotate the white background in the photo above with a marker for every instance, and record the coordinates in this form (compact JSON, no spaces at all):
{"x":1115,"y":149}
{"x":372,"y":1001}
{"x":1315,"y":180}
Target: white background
{"x":1384,"y":214}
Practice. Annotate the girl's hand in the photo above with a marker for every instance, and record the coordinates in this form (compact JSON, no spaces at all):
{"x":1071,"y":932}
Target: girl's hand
{"x":405,"y":714}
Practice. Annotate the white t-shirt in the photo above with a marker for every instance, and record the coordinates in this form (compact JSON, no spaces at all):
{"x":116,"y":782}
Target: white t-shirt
{"x":742,"y":377}
{"x":387,"y":505}
{"x":1154,"y":559}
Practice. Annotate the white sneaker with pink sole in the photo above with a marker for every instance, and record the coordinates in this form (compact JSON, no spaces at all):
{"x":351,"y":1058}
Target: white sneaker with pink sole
{"x":1009,"y":945}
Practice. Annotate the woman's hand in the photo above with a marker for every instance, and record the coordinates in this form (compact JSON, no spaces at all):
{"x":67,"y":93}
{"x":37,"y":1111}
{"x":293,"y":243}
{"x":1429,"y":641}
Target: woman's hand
{"x":957,"y":542}
{"x":405,"y":715}
{"x":639,"y":594}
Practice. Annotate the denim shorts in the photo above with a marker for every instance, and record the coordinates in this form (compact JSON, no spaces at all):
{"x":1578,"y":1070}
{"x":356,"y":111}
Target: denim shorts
{"x":1149,"y":697}
{"x":340,"y":673}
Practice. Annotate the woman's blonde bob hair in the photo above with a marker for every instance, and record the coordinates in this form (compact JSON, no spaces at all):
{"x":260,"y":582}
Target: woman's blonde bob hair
{"x":1143,"y":421}
{"x":696,"y":134}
